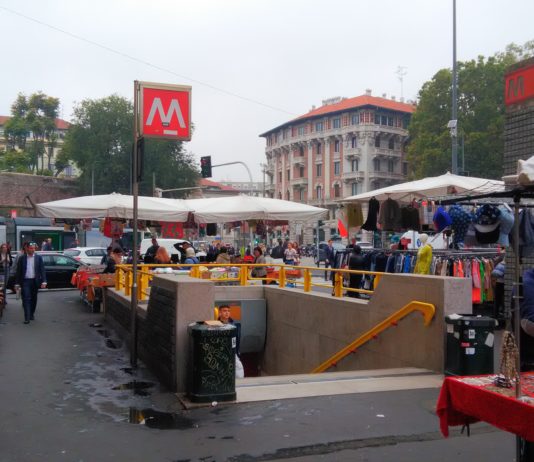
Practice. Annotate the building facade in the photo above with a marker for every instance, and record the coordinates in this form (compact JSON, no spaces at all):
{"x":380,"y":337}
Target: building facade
{"x":343,"y":148}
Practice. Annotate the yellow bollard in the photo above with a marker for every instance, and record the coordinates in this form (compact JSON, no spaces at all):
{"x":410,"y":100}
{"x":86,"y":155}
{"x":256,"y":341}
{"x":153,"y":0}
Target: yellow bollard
{"x":128,"y":283}
{"x":142,"y":286}
{"x":195,"y":272}
{"x":307,"y":280}
{"x":338,"y":284}
{"x":118,"y":278}
{"x":282,"y":276}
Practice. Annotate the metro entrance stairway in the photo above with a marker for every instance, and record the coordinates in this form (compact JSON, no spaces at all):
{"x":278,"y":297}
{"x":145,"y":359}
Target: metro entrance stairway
{"x":335,"y":383}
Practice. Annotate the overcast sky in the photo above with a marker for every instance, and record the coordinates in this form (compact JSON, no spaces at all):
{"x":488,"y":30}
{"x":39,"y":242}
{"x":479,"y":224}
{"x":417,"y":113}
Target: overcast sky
{"x":253,"y":64}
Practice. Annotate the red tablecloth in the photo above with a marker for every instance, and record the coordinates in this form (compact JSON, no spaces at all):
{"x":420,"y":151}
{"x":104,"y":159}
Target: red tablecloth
{"x":464,"y":400}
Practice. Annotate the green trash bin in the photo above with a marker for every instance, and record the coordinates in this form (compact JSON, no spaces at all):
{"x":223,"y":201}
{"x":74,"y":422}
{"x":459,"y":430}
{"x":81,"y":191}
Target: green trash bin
{"x":470,"y":342}
{"x":212,"y":366}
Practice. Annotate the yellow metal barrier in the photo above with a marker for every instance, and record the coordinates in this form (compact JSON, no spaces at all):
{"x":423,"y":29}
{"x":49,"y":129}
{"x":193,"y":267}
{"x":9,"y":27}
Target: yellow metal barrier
{"x":427,"y":309}
{"x":123,"y":277}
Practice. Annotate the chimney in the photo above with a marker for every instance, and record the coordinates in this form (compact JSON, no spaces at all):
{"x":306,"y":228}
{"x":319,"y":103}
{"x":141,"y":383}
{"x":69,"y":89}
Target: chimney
{"x":393,"y":98}
{"x":368,"y":92}
{"x":384,"y":95}
{"x":313,"y":108}
{"x":402,"y":99}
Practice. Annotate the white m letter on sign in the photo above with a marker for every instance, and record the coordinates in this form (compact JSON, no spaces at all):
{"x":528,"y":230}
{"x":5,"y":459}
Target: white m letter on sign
{"x":174,"y":107}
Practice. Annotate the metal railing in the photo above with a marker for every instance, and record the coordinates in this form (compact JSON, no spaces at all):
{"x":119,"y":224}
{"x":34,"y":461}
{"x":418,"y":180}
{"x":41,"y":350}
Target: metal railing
{"x":426,"y":309}
{"x":280,"y":274}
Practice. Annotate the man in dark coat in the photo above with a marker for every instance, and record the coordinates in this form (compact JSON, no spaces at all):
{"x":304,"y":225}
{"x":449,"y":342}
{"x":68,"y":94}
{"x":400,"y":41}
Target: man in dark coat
{"x":356,"y":262}
{"x":330,"y":257}
{"x":30,"y":276}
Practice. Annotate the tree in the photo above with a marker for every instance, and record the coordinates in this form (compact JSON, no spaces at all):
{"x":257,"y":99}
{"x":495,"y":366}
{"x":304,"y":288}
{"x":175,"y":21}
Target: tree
{"x":480,"y":117}
{"x":100,"y":142}
{"x":31,"y":128}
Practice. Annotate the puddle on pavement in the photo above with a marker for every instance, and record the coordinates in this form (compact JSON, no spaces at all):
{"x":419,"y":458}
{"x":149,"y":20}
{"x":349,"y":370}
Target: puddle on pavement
{"x":127,"y":370}
{"x":160,"y":420}
{"x":113,"y":344}
{"x":138,"y":387}
{"x":95,"y":324}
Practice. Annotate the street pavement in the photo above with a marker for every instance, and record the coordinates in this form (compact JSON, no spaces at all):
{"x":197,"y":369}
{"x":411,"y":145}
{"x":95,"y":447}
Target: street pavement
{"x":64,"y":382}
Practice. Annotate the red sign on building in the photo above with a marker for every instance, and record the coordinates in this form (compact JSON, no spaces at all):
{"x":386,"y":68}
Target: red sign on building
{"x":519,"y":86}
{"x":165,"y":111}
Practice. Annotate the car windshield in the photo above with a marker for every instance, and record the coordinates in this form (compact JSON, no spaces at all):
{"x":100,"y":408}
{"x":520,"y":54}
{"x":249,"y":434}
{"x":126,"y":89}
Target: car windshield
{"x":72,"y":252}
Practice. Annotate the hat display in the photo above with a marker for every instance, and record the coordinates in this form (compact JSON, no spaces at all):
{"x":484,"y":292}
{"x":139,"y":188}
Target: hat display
{"x":487,"y":223}
{"x":460,"y":223}
{"x":506,"y":225}
{"x":441,"y":219}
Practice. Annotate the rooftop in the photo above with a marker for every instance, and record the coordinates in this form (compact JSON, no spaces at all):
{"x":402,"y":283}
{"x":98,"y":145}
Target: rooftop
{"x":60,"y":123}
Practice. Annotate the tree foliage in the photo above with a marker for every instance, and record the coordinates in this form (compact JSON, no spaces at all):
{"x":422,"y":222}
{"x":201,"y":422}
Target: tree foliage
{"x":100,"y":143}
{"x":30,"y":133}
{"x":480,"y":117}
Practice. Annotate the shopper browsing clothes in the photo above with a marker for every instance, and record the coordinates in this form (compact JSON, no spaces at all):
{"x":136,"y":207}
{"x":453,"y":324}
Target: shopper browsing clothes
{"x":30,"y":276}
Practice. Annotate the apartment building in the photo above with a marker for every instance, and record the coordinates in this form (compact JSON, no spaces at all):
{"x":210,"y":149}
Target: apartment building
{"x":344,"y":147}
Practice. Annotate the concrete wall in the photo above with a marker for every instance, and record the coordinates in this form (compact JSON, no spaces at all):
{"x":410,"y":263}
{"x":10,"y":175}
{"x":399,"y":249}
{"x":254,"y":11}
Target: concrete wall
{"x":306,"y":329}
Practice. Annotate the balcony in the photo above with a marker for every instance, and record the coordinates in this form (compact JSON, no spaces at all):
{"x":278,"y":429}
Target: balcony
{"x":386,"y":176}
{"x":298,"y":160}
{"x":269,"y":170}
{"x":353,"y":176}
{"x":336,"y":156}
{"x":350,"y":153}
{"x":299,"y":182}
{"x":381,"y":152}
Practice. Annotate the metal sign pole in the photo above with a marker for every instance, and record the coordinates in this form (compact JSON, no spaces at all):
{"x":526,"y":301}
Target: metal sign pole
{"x":135,"y":191}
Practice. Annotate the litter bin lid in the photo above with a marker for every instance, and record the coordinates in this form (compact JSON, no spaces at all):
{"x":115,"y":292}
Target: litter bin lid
{"x":470,"y":320}
{"x":200,"y":329}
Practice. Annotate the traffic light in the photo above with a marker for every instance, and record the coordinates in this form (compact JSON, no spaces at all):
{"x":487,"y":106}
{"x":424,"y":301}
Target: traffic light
{"x":205,"y":166}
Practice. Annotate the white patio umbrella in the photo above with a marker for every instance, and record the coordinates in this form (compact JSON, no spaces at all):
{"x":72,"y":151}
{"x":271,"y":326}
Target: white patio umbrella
{"x":116,"y":206}
{"x":241,"y":207}
{"x":437,"y":186}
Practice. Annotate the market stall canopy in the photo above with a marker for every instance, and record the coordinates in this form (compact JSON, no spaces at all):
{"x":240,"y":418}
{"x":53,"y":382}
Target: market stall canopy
{"x":116,"y":206}
{"x":237,"y":208}
{"x":437,"y":186}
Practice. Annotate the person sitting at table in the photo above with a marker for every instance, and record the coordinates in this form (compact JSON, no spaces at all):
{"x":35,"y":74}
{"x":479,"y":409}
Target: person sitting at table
{"x":223,"y":257}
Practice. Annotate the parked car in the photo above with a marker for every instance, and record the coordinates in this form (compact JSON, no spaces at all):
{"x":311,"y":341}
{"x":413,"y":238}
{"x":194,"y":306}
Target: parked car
{"x":87,"y":255}
{"x":59,"y":269}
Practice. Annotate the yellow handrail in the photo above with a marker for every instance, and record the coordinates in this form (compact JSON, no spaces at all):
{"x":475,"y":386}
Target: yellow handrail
{"x":427,"y":309}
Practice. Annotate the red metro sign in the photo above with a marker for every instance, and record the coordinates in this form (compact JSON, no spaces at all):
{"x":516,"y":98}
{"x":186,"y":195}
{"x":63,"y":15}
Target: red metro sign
{"x":165,"y":111}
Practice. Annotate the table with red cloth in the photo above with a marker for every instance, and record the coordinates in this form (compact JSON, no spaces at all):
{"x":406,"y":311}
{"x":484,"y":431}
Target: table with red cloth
{"x":465,"y":400}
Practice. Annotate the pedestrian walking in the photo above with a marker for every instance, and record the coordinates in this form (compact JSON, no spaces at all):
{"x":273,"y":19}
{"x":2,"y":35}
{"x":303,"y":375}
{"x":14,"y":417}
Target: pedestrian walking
{"x":30,"y":276}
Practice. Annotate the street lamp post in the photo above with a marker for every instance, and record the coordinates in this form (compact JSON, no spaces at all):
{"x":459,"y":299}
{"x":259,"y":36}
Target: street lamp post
{"x":453,"y":124}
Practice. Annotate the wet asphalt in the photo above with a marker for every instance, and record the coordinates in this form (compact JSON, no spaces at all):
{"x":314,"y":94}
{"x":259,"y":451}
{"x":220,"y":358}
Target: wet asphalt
{"x":68,"y":394}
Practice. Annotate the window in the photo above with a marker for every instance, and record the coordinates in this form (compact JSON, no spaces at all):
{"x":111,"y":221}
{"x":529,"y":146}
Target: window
{"x":391,"y":166}
{"x":383,"y":120}
{"x":279,"y":177}
{"x":355,"y":189}
{"x":376,"y":164}
{"x":377,"y":119}
{"x":301,"y":194}
{"x":319,"y":170}
{"x":319,"y":149}
{"x":377,"y":142}
{"x":279,"y":195}
{"x":318,"y":126}
{"x":390,"y":121}
{"x":301,"y":172}
{"x":301,"y":151}
{"x":288,"y":195}
{"x":391,"y":143}
{"x":288,"y":174}
{"x":355,"y":119}
{"x":337,"y":168}
{"x":318,"y":192}
{"x":336,"y":123}
{"x":301,"y":130}
{"x":337,"y":192}
{"x":336,"y":146}
{"x":354,"y":142}
{"x":365,"y":117}
{"x":354,"y":165}
{"x":405,"y":168}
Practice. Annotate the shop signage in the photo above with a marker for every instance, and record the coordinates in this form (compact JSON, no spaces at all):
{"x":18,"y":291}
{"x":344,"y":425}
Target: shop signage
{"x":165,"y":111}
{"x":519,"y":86}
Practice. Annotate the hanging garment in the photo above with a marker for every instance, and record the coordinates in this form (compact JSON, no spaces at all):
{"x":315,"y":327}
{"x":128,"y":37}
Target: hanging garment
{"x":460,"y":223}
{"x":424,"y":258}
{"x":410,"y":218}
{"x":389,"y":216}
{"x":354,"y":215}
{"x":372,"y":215}
{"x":475,"y":272}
